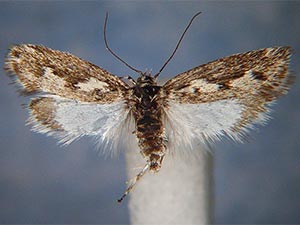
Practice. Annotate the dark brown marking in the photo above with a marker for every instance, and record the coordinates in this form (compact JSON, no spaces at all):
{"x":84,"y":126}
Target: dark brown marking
{"x":43,"y":110}
{"x":29,"y":63}
{"x":224,"y":85}
{"x":259,"y":75}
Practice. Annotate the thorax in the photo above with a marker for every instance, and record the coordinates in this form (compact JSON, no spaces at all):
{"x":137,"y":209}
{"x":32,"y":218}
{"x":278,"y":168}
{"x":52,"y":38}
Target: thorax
{"x":146,"y":96}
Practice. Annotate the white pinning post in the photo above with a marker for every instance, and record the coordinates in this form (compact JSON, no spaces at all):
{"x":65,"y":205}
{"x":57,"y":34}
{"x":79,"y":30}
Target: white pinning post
{"x":180,"y":193}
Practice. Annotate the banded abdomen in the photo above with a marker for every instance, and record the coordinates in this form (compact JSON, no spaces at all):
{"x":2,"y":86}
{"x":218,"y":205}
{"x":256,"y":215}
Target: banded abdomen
{"x":150,"y":132}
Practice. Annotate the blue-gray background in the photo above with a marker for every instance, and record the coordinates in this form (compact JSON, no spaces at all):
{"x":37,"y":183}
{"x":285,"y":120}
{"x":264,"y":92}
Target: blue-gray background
{"x":255,"y":182}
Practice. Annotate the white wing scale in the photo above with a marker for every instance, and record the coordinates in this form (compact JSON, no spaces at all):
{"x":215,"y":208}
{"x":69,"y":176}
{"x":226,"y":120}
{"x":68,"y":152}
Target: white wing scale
{"x":108,"y":123}
{"x":189,"y":125}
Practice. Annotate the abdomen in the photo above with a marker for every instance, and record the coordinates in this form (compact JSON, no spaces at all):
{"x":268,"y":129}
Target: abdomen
{"x":151,"y":137}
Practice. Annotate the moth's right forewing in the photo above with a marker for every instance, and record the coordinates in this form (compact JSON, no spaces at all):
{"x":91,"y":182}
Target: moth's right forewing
{"x":41,"y":69}
{"x":227,"y":96}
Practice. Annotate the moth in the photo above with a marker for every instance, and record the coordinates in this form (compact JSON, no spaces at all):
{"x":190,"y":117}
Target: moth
{"x":74,"y":98}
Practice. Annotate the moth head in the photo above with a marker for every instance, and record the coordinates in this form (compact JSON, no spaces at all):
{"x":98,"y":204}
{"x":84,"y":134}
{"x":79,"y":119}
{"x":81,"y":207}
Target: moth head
{"x":146,"y":78}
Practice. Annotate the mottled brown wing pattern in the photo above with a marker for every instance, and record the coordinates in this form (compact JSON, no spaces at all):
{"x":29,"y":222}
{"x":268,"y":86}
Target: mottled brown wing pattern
{"x":74,"y":97}
{"x":243,"y":84}
{"x":263,"y":72}
{"x":45,"y":70}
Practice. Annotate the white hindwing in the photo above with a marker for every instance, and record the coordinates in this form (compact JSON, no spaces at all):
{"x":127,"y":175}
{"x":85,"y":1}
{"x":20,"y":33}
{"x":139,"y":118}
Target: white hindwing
{"x":109,"y":123}
{"x":188,"y":125}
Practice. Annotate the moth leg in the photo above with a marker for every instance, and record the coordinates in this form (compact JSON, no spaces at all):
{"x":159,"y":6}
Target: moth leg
{"x":128,"y":78}
{"x":133,"y":182}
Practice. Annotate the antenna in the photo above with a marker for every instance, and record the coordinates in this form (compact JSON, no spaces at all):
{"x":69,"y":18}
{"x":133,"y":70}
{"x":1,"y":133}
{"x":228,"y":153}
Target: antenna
{"x":177,"y":45}
{"x":114,"y":54}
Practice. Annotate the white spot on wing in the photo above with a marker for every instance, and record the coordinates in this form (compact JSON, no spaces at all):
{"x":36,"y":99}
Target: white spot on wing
{"x":247,"y":81}
{"x":50,"y":81}
{"x":91,"y":84}
{"x":204,"y":86}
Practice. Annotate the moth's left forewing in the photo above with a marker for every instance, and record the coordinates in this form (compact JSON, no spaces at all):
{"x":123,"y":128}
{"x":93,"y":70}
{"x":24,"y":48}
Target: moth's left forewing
{"x":227,"y":96}
{"x":41,"y":69}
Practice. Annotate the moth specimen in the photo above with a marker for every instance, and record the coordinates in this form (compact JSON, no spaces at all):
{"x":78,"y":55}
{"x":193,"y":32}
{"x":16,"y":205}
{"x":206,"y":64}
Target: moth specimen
{"x":74,"y":98}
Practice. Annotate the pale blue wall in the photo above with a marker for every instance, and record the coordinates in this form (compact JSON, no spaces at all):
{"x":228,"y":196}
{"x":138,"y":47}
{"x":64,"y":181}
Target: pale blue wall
{"x":256,"y":182}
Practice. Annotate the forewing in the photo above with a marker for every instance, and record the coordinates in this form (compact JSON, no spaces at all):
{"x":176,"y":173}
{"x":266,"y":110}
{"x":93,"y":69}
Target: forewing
{"x":226,"y":96}
{"x":41,"y":69}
